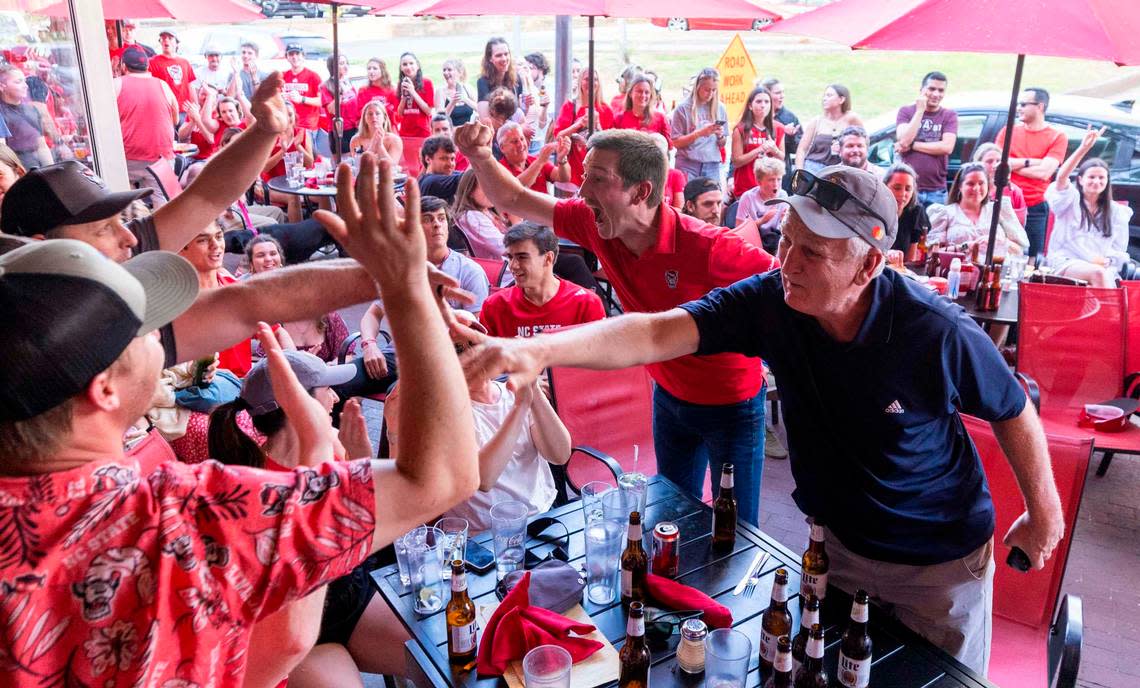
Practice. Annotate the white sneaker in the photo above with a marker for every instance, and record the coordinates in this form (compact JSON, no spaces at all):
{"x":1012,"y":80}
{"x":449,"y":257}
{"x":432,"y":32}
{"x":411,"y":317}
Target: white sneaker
{"x":772,"y":447}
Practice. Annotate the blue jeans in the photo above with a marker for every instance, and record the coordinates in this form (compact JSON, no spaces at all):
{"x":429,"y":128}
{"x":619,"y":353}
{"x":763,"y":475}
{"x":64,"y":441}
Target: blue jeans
{"x":1036,"y":220}
{"x":689,"y":437}
{"x":928,"y":197}
{"x":694,"y":169}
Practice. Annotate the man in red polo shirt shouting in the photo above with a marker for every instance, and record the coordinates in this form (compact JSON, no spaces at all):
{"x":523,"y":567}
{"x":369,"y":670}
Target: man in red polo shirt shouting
{"x":708,"y":410}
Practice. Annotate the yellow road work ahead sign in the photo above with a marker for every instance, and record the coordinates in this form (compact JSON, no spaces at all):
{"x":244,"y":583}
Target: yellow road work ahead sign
{"x":737,"y":75}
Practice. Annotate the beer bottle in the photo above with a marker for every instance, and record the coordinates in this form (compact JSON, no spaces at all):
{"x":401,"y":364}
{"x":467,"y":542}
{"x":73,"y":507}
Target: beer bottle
{"x":461,"y":625}
{"x":855,"y":650}
{"x":724,"y":512}
{"x":812,"y":674}
{"x":777,"y":621}
{"x":782,"y":678}
{"x":634,"y":564}
{"x":634,"y":655}
{"x":815,"y":566}
{"x":810,"y":618}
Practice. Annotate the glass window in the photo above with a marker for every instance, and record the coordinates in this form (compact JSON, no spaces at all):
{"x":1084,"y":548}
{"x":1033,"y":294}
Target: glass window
{"x":1104,"y":148}
{"x":42,"y":102}
{"x":969,"y":129}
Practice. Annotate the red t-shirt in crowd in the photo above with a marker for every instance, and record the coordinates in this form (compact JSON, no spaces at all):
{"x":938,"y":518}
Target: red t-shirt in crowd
{"x":674,"y":183}
{"x":413,"y":121}
{"x":177,"y":73}
{"x":385,"y":95}
{"x":603,"y":117}
{"x":1041,"y":144}
{"x":546,"y":175}
{"x":349,"y":114}
{"x":744,"y":177}
{"x":120,"y":579}
{"x":508,"y":313}
{"x":657,"y":123}
{"x":308,"y":84}
{"x":145,"y":118}
{"x":237,"y":359}
{"x":690,"y":259}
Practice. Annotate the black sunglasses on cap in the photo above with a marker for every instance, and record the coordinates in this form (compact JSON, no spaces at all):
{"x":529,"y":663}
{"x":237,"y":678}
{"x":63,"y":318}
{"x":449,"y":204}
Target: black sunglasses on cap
{"x":828,"y":194}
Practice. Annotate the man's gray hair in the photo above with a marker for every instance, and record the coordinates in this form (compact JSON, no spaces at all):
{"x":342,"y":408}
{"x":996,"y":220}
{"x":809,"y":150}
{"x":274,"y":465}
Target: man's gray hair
{"x":507,"y":128}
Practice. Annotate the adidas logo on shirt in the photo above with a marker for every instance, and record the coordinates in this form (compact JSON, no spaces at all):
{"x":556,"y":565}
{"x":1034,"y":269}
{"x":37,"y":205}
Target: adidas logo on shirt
{"x":894,"y":407}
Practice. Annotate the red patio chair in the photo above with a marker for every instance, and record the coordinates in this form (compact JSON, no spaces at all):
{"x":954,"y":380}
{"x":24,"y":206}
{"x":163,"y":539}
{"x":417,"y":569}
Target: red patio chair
{"x":1132,"y":338}
{"x":1024,"y":603}
{"x":151,"y":452}
{"x":410,"y":160}
{"x":607,"y":412}
{"x":1072,"y":344}
{"x":495,"y":269}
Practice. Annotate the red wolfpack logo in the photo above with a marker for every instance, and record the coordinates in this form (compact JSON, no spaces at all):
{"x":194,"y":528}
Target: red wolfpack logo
{"x":671,"y":277}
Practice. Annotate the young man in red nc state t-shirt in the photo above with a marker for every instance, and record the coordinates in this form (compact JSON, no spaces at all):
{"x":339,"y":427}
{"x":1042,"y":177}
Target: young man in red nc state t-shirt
{"x":708,"y":410}
{"x":538,"y":301}
{"x":302,"y":89}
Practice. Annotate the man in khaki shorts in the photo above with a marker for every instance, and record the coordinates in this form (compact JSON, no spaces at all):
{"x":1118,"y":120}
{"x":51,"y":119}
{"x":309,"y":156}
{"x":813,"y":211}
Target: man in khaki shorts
{"x":874,"y":371}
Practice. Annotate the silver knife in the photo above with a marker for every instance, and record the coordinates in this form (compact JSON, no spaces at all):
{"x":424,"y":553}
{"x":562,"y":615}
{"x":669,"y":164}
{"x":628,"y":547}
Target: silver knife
{"x":748,"y":573}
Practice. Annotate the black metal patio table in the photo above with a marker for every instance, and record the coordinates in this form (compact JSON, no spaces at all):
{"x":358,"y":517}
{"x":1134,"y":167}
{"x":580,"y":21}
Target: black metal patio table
{"x":902,"y":658}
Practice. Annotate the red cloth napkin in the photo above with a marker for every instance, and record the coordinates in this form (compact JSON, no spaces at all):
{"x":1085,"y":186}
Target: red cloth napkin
{"x":517,"y":628}
{"x":669,"y":594}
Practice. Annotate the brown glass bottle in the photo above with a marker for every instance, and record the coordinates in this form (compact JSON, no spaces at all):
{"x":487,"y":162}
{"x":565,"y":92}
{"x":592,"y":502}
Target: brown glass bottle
{"x":634,"y":564}
{"x":810,"y":618}
{"x":815,"y":566}
{"x":634,"y":656}
{"x":461,"y":624}
{"x":724,"y":512}
{"x":782,"y":675}
{"x":855,"y":650}
{"x":777,"y":621}
{"x":812,"y":674}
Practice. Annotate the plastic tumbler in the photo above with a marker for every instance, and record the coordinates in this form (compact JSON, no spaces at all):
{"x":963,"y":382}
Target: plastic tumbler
{"x":604,"y":542}
{"x":726,"y":658}
{"x":425,"y":559}
{"x":508,"y":526}
{"x":455,"y":541}
{"x":592,"y":500}
{"x":547,"y":666}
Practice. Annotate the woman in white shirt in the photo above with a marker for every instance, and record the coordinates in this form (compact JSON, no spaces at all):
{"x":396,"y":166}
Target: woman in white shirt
{"x":519,"y":433}
{"x":1090,"y":230}
{"x":965,"y":220}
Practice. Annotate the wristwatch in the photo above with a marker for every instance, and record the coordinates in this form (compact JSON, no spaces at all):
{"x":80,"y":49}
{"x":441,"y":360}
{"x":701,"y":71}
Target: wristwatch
{"x":1026,"y":164}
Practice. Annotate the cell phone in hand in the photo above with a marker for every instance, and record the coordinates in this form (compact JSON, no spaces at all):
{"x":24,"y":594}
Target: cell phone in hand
{"x":478,"y":557}
{"x":721,"y":122}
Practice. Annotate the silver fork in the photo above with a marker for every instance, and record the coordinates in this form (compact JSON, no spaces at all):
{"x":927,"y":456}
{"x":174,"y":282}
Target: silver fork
{"x":750,"y":588}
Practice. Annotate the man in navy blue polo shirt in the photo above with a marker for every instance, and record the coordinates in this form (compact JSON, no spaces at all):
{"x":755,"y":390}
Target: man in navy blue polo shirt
{"x":874,"y":371}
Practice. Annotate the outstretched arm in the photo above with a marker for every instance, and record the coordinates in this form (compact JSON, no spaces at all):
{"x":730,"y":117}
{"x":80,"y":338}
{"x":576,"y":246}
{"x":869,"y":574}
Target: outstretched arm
{"x":1071,"y":162}
{"x":610,"y":344}
{"x":227,"y":175}
{"x":505,"y":192}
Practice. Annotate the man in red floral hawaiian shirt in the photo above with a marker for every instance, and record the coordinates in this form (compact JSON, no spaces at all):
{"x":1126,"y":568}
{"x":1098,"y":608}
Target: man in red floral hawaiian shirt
{"x":110,"y":579}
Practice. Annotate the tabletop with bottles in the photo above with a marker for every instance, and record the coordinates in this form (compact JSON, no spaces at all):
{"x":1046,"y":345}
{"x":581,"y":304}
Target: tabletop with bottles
{"x":901,"y":657}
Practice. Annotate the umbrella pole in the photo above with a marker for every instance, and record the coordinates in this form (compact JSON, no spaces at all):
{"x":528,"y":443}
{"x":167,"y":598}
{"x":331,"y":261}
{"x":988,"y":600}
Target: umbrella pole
{"x":1001,"y":177}
{"x":590,"y":110}
{"x":337,"y":123}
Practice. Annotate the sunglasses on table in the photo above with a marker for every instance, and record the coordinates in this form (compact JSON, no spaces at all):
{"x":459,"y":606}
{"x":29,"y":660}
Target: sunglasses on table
{"x":827,"y":194}
{"x":660,"y":624}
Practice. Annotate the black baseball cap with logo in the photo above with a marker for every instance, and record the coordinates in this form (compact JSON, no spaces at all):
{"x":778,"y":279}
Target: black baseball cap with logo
{"x":66,"y":193}
{"x":294,"y":48}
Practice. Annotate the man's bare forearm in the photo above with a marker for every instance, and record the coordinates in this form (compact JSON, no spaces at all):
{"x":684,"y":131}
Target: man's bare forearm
{"x":622,"y":342}
{"x":1023,"y":441}
{"x":225,"y":316}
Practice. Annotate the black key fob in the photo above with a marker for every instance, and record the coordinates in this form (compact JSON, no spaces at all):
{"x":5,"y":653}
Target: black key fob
{"x":1018,"y":560}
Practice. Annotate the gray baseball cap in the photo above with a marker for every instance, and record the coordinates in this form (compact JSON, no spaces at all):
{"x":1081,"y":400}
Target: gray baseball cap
{"x":311,"y":372}
{"x":870,"y":213}
{"x":70,"y":312}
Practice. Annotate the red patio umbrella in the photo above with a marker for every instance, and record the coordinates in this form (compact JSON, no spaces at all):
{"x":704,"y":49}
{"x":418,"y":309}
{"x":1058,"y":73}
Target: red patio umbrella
{"x":718,"y":9}
{"x":1088,"y":29}
{"x":213,"y":11}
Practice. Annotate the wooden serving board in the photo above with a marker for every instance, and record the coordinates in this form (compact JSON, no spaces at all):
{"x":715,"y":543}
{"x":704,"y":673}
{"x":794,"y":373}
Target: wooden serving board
{"x":598,"y":669}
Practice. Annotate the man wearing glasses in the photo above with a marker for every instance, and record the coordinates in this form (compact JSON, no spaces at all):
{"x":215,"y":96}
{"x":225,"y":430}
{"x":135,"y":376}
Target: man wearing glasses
{"x":874,"y":371}
{"x":1035,"y":153}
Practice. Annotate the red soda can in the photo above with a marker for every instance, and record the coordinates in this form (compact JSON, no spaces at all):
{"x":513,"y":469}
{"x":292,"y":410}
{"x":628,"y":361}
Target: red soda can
{"x":666,"y":549}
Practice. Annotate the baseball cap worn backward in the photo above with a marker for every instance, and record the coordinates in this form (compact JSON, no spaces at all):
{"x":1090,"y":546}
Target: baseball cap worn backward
{"x":851,"y":219}
{"x":66,"y":193}
{"x":70,"y":312}
{"x":311,"y":372}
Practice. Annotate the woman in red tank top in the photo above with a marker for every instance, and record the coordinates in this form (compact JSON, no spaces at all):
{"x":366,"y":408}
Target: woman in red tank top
{"x":756,"y":134}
